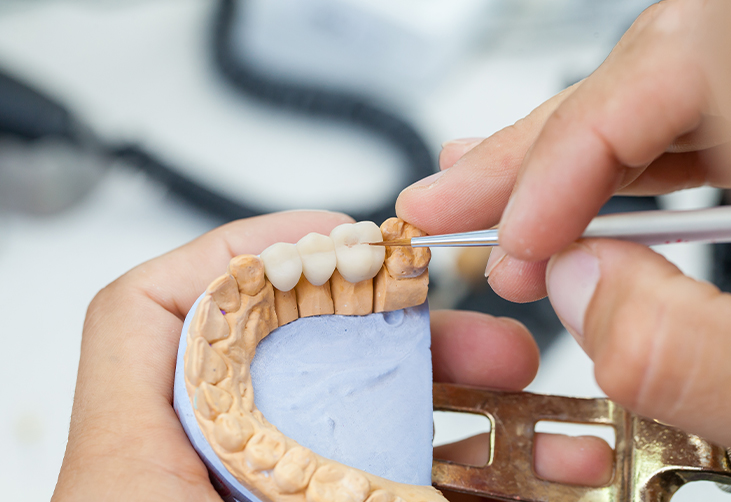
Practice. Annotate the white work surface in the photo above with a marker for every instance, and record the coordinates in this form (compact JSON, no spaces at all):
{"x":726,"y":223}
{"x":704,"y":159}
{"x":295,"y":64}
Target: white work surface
{"x":142,"y":70}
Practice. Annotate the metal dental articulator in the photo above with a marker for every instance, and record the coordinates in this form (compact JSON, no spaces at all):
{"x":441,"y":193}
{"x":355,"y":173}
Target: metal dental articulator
{"x":651,"y":460}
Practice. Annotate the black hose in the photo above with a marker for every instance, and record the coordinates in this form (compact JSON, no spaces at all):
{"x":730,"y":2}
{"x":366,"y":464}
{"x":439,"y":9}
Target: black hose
{"x":323,"y":103}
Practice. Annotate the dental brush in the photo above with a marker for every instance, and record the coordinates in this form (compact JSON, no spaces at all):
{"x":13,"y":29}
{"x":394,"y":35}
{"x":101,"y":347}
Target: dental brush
{"x":644,"y":227}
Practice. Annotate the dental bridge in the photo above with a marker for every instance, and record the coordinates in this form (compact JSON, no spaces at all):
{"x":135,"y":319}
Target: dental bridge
{"x":343,"y":274}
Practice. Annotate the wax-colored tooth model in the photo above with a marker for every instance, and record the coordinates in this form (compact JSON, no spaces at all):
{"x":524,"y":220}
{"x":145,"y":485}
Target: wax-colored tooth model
{"x":243,"y":306}
{"x":403,"y":280}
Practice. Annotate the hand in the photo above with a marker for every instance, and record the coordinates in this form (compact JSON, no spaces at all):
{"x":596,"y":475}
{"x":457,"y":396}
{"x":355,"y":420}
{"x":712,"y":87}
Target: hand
{"x":125,"y":441}
{"x":653,"y":118}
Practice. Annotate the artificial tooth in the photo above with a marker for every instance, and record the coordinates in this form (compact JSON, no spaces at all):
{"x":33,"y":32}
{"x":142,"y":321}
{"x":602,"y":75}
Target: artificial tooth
{"x":356,"y":260}
{"x":282,"y":265}
{"x":317,"y":253}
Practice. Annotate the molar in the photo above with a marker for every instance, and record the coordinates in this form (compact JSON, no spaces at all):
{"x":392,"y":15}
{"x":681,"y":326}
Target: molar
{"x":356,"y":260}
{"x":337,"y":483}
{"x":317,"y":252}
{"x":404,"y":262}
{"x":264,"y":450}
{"x":293,"y":472}
{"x":232,"y":432}
{"x":283,"y":265}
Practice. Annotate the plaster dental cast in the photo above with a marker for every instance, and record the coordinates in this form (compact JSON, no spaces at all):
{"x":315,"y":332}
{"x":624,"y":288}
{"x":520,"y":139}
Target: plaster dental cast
{"x":320,"y":275}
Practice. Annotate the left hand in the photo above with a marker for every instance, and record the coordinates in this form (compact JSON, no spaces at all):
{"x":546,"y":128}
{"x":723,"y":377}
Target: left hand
{"x":125,"y":441}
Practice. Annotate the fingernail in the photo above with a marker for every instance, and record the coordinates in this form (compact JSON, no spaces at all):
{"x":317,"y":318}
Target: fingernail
{"x":571,"y":279}
{"x":429,"y":180}
{"x":496,"y":257}
{"x":462,"y":142}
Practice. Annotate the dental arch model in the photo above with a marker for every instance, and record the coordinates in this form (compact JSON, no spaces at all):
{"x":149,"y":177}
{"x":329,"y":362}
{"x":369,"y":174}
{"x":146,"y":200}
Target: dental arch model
{"x":320,"y":275}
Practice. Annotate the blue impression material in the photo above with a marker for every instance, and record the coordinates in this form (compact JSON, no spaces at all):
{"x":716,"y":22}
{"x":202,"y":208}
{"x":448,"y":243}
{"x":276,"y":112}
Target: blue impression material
{"x":354,"y":389}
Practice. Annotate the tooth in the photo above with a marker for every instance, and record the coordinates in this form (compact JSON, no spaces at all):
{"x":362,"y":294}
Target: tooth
{"x":208,"y":321}
{"x":210,"y":401}
{"x":404,"y":262}
{"x":225,"y":293}
{"x":248,"y":270}
{"x":282,"y":265}
{"x":356,"y":260}
{"x":317,"y":252}
{"x":293,"y":472}
{"x":265,"y":449}
{"x":232,"y":431}
{"x":203,"y":364}
{"x":404,"y":280}
{"x":390,"y":293}
{"x":334,"y":483}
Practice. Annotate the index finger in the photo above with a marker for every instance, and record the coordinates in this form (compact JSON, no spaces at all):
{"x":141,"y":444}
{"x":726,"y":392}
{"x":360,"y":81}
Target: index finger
{"x":651,"y":90}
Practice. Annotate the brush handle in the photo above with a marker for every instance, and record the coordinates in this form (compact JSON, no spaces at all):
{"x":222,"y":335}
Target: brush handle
{"x":664,"y":227}
{"x":644,"y":227}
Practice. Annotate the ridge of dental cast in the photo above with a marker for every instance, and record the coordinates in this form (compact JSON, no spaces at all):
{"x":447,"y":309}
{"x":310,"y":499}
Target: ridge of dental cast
{"x":317,"y":256}
{"x":241,"y":307}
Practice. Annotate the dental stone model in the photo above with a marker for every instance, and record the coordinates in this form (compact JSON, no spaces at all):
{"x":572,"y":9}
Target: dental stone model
{"x":320,"y":275}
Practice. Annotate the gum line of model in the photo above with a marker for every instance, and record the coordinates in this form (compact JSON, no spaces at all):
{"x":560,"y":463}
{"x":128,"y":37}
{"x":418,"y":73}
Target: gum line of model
{"x":320,"y":275}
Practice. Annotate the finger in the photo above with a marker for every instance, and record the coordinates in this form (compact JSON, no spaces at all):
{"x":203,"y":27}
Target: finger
{"x":658,"y":338}
{"x":677,"y":171}
{"x":472,"y":193}
{"x":582,"y":460}
{"x":649,"y":91}
{"x":516,"y":280}
{"x":477,"y":349}
{"x":455,"y":149}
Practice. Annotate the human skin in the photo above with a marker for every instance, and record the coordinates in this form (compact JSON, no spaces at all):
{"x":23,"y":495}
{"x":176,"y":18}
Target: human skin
{"x":125,"y":441}
{"x":653,"y":118}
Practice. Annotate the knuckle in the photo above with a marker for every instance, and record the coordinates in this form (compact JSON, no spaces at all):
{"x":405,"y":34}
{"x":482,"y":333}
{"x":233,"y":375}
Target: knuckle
{"x":103,"y":304}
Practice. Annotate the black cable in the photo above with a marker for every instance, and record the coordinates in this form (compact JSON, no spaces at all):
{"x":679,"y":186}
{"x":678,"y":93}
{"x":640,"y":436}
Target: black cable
{"x":321,"y":102}
{"x":29,"y":114}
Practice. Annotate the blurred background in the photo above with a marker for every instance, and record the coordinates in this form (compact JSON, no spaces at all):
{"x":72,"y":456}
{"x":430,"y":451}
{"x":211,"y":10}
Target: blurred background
{"x":128,"y":128}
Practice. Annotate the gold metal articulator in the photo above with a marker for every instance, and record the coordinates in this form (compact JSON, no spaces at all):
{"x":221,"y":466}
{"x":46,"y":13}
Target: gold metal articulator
{"x":651,"y":460}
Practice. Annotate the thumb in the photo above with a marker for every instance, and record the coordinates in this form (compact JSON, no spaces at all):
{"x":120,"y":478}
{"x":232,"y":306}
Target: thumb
{"x":659,"y":340}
